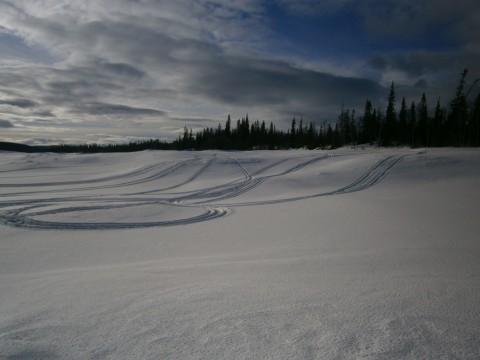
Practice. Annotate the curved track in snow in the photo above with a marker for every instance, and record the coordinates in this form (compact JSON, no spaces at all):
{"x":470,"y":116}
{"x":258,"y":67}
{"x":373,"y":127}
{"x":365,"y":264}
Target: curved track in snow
{"x":44,"y":211}
{"x":370,"y":178}
{"x":18,"y":218}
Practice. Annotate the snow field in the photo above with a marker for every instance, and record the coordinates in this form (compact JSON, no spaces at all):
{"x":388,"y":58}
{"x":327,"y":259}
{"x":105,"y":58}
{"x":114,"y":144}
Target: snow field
{"x":354,"y":254}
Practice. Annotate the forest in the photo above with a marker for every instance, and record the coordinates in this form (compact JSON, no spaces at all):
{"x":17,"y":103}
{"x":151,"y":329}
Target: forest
{"x":413,"y":125}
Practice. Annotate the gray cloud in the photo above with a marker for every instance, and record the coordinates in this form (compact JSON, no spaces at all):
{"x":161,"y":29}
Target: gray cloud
{"x":414,"y":64}
{"x":115,"y":109}
{"x":409,"y":18}
{"x":315,"y":7}
{"x":181,"y":68}
{"x":125,"y":70}
{"x":5,"y":124}
{"x":44,"y":113}
{"x":164,"y":62}
{"x":268,"y":83}
{"x":21,"y":103}
{"x":440,"y":70}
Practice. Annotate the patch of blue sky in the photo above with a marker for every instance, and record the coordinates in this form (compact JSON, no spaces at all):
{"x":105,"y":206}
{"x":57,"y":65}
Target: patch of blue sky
{"x":343,"y":34}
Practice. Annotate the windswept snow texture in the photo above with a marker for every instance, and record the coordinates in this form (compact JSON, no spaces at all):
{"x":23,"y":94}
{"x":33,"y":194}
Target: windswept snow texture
{"x":348,"y":254}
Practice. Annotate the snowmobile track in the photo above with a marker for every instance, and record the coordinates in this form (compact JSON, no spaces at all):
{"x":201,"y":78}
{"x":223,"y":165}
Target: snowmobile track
{"x":25,"y":213}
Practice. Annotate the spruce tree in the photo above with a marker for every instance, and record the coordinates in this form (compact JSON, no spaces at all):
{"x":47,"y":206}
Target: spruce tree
{"x":475,"y":122}
{"x":228,"y":126}
{"x":437,"y":126}
{"x":422,"y":125}
{"x":293,"y":130}
{"x":389,"y":131}
{"x":412,"y":125}
{"x":458,"y":113}
{"x":402,"y":123}
{"x":367,"y":127}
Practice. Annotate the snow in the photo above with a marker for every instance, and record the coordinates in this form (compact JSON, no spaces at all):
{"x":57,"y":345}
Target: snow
{"x":346,"y":254}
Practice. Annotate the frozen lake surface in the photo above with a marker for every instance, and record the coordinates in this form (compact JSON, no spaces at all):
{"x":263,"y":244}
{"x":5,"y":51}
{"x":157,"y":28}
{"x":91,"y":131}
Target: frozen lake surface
{"x":345,"y":254}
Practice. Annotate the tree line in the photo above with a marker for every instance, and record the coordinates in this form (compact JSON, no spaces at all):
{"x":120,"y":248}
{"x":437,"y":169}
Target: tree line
{"x":248,"y":135}
{"x":412,"y":125}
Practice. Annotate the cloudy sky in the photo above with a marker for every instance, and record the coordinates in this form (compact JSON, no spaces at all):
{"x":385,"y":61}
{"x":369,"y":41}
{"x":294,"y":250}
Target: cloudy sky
{"x":116,"y":70}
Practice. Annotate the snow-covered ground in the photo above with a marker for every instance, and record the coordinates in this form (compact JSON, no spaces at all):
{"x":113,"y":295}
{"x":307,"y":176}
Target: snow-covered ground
{"x":347,"y":254}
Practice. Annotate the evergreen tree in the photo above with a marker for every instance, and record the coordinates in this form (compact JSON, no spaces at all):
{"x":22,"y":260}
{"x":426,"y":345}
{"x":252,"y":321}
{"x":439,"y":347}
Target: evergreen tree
{"x":422,"y":125}
{"x":310,"y":137}
{"x":412,"y":124}
{"x":293,"y":130}
{"x":345,"y":128}
{"x":402,"y":123}
{"x":475,"y":122}
{"x":228,"y":126}
{"x":300,"y":140}
{"x":368,"y":124}
{"x":353,"y":128}
{"x":472,"y":124}
{"x":389,"y":131}
{"x":458,"y":113}
{"x":437,"y":126}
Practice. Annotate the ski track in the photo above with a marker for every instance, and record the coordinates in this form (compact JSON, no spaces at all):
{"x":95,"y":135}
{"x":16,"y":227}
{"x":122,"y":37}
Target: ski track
{"x":21,"y":213}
